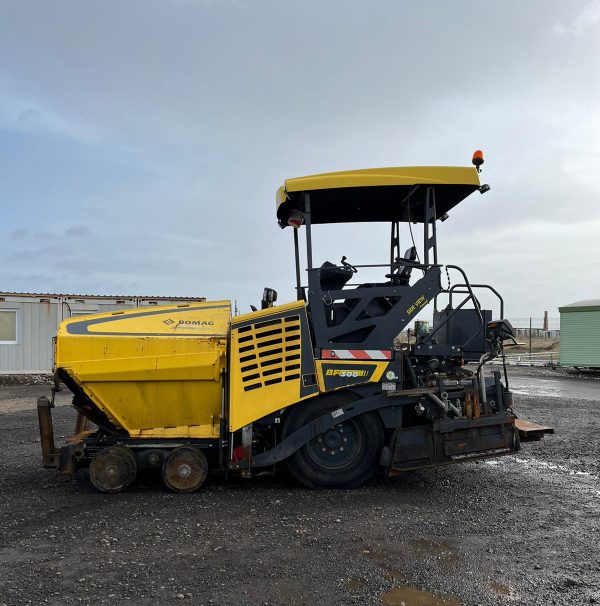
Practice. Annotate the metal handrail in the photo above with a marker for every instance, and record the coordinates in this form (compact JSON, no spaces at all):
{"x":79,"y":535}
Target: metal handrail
{"x":454,"y":286}
{"x":399,"y":264}
{"x":452,"y":312}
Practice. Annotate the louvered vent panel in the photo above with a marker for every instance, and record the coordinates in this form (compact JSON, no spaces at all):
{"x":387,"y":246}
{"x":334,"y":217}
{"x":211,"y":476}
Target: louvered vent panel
{"x":269,"y":352}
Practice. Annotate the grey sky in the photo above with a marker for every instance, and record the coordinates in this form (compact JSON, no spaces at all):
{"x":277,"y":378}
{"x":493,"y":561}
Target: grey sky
{"x":141,"y":142}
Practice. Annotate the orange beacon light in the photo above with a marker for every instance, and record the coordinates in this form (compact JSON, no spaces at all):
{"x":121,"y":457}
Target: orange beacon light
{"x":477,"y":159}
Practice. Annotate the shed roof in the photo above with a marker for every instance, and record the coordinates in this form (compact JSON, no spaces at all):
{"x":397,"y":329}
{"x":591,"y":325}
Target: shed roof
{"x":75,"y":296}
{"x":584,"y":305}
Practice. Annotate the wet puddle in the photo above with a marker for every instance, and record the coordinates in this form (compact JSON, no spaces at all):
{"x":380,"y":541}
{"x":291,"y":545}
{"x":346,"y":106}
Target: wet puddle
{"x":499,"y":588}
{"x":443,"y":552}
{"x":411,"y":596}
{"x":555,"y":387}
{"x":405,"y":595}
{"x":394,"y":575}
{"x":356,"y":584}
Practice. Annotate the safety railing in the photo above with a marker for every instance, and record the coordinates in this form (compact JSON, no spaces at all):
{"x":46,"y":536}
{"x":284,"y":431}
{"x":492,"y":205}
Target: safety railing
{"x":471,"y":297}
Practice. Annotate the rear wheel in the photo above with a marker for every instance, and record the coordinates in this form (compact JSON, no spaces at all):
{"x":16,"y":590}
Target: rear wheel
{"x":185,"y":469}
{"x":345,"y":455}
{"x":113,"y":469}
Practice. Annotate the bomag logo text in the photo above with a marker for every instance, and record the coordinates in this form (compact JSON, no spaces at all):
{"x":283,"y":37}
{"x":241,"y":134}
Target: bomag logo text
{"x":195,"y":323}
{"x":168,"y":322}
{"x":354,"y":374}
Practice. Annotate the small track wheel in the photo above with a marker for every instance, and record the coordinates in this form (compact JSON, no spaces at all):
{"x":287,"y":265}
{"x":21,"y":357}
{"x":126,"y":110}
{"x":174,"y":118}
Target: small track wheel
{"x":185,"y":469}
{"x":113,"y":469}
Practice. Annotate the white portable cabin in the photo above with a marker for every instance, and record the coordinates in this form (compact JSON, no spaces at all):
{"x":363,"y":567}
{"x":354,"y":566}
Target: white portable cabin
{"x":29,"y":321}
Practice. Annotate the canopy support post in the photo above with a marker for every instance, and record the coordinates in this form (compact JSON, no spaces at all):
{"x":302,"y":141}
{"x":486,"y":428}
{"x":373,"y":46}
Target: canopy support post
{"x":394,"y":245}
{"x":307,"y":223}
{"x":299,"y":293}
{"x":429,"y":227}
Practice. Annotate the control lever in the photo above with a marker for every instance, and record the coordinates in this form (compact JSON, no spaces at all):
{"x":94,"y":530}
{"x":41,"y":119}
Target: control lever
{"x":348,"y":265}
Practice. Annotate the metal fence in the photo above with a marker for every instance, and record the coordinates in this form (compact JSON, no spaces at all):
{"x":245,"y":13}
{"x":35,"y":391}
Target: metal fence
{"x":538,"y":333}
{"x":541,"y":358}
{"x":537,"y":323}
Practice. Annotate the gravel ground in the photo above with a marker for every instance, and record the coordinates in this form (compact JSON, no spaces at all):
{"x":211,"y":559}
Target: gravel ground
{"x":522,"y":529}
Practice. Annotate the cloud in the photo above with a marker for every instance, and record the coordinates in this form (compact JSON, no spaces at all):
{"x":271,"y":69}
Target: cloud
{"x":77,"y":231}
{"x":19,"y":234}
{"x":588,"y":17}
{"x":149,"y":145}
{"x":28,"y":119}
{"x":36,"y":257}
{"x":34,"y":114}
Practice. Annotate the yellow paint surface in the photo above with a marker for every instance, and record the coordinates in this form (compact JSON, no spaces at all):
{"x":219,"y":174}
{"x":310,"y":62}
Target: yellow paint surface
{"x":155,"y":372}
{"x":371,"y":177}
{"x":265,"y":360}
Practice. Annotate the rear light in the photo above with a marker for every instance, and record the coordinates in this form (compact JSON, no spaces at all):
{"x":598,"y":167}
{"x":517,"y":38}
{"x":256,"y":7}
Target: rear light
{"x":296,"y":218}
{"x":239,"y":454}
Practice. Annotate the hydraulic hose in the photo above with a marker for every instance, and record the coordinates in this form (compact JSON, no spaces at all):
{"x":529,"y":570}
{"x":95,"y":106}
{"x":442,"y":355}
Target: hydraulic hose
{"x":454,"y":409}
{"x":437,"y":402}
{"x":411,"y":372}
{"x":443,"y":407}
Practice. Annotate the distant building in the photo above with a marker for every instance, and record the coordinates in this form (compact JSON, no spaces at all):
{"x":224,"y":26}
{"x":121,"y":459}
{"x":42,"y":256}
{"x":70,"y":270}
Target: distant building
{"x":580,"y":334}
{"x":29,"y":321}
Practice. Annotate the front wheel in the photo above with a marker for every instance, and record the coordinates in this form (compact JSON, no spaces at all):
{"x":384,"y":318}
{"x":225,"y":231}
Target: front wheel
{"x":344,"y":456}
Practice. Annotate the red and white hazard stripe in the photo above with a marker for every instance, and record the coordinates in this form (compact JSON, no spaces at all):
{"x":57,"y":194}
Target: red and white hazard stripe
{"x":356,"y":354}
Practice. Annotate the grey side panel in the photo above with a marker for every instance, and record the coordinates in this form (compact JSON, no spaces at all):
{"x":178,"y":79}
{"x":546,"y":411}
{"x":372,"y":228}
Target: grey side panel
{"x":405,"y":302}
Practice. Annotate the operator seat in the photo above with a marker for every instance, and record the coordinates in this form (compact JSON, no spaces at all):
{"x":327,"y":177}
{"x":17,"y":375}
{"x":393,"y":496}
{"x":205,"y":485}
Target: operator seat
{"x":333,"y":277}
{"x":379,"y":306}
{"x":402,"y":277}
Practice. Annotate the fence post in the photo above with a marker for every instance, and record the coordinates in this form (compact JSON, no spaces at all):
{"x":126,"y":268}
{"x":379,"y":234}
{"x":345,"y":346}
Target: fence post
{"x":529,"y":341}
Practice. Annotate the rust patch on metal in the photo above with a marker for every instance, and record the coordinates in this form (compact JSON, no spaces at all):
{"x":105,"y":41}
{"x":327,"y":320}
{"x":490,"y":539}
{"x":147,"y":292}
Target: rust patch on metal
{"x":530,"y":432}
{"x":78,"y":438}
{"x":469,"y":404}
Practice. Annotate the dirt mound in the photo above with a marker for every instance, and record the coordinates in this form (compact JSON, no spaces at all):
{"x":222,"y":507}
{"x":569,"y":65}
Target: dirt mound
{"x":26,"y":379}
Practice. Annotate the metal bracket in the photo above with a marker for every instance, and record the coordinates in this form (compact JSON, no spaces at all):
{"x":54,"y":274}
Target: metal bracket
{"x":50,"y":454}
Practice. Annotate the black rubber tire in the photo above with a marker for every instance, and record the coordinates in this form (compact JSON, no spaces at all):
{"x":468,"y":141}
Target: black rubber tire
{"x":113,"y":469}
{"x":185,"y":469}
{"x":348,"y":469}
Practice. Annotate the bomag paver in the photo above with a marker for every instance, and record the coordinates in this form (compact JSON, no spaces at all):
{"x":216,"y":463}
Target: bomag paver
{"x":318,"y":383}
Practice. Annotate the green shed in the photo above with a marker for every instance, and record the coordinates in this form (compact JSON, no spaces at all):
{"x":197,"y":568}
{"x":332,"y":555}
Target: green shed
{"x":580,"y":334}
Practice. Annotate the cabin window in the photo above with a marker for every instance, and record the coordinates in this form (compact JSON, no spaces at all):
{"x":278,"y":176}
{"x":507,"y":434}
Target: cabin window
{"x":8,"y":326}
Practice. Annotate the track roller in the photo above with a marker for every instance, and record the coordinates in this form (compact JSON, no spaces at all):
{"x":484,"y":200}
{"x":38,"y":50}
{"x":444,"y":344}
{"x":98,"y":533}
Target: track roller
{"x":185,"y":469}
{"x":113,"y":469}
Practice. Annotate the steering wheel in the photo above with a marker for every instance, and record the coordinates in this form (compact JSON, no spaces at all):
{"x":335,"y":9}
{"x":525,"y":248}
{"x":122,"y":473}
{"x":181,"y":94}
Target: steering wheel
{"x":348,"y":266}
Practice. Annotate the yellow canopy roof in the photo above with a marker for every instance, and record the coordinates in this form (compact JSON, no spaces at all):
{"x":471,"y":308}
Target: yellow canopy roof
{"x":376,"y":194}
